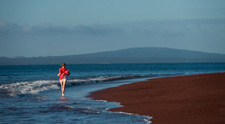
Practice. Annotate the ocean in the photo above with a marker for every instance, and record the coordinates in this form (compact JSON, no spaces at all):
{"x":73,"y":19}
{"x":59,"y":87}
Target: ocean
{"x":31,"y":93}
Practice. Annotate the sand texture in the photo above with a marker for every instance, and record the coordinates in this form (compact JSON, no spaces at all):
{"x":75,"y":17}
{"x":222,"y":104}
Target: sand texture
{"x":193,"y":99}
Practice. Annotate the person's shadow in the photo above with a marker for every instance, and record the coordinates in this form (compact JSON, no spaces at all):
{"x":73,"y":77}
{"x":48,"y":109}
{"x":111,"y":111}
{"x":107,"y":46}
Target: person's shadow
{"x":64,"y":99}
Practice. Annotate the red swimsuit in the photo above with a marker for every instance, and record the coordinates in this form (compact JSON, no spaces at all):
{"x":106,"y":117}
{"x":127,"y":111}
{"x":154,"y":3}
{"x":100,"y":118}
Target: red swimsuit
{"x":63,"y":72}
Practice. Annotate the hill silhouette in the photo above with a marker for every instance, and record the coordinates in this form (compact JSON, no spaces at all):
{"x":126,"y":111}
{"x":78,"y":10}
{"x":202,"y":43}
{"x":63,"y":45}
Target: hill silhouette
{"x":131,"y":55}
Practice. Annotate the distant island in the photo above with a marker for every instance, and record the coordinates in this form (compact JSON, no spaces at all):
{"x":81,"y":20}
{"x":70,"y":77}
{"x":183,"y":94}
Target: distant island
{"x":130,"y":55}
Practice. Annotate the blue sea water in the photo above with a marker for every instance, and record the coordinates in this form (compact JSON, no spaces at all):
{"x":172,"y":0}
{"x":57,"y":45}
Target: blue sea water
{"x":31,"y":93}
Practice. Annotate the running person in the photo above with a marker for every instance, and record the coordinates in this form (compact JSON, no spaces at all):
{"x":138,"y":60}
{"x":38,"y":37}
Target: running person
{"x":63,"y":73}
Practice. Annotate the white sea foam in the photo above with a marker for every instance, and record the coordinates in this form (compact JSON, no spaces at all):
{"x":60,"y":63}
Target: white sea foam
{"x":34,"y":87}
{"x":146,"y":118}
{"x":94,"y":79}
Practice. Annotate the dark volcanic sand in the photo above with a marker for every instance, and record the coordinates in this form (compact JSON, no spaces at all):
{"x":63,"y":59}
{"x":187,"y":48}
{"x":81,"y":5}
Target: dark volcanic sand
{"x":194,"y":99}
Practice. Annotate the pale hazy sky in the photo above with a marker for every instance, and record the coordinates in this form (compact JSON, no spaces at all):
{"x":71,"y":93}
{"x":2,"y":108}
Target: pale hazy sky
{"x":66,"y":27}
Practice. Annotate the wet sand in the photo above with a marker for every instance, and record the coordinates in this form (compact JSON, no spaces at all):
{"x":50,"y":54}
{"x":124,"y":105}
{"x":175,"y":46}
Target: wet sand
{"x":193,"y":99}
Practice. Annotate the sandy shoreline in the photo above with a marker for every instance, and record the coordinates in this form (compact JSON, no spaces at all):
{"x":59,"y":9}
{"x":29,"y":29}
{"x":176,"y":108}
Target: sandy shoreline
{"x":193,"y":99}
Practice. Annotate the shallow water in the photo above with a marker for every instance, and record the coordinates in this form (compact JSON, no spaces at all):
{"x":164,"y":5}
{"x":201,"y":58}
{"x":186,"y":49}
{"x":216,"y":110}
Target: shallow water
{"x":31,"y":93}
{"x":50,"y":107}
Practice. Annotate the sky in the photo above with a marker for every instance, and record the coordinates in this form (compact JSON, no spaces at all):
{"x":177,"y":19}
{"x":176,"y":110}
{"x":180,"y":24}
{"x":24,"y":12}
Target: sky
{"x":33,"y":28}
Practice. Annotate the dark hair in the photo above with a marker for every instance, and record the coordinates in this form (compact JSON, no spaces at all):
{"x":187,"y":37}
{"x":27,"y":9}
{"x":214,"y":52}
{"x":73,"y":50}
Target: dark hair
{"x":63,"y":64}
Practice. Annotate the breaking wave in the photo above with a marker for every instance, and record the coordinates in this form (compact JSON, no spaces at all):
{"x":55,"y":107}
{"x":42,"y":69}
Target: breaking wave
{"x":34,"y":87}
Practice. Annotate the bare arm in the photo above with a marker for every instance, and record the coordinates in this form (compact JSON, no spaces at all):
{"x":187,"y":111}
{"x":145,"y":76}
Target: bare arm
{"x":59,"y":72}
{"x":68,"y":73}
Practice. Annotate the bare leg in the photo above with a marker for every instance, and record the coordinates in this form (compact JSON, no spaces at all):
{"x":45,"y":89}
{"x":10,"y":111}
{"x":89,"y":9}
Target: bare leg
{"x":61,"y":82}
{"x":63,"y":87}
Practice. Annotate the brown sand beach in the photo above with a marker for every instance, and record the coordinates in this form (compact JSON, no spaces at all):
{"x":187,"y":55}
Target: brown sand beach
{"x":193,"y":99}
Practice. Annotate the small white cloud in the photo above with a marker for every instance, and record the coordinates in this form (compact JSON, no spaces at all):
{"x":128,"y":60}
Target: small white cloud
{"x":46,"y":26}
{"x":2,"y":24}
{"x":26,"y":29}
